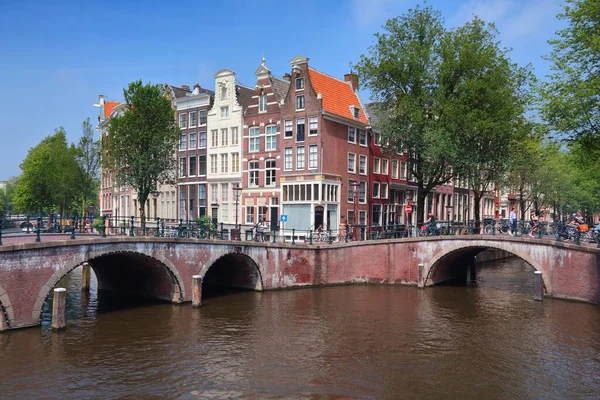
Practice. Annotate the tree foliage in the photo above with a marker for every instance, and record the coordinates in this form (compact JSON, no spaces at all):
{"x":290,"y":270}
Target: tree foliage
{"x":140,"y":143}
{"x":88,"y":159}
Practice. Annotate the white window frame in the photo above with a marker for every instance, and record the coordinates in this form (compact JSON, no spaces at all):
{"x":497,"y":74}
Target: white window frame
{"x":376,"y":190}
{"x":376,"y":165}
{"x":313,"y":121}
{"x":190,"y":119}
{"x":235,"y":162}
{"x":288,"y":129}
{"x":195,"y":145}
{"x":403,"y":170}
{"x":183,"y":141}
{"x":253,"y":180}
{"x":384,"y":190}
{"x":272,"y":136}
{"x":183,"y":120}
{"x":272,"y":170}
{"x":298,"y":97}
{"x":288,"y":158}
{"x":395,"y":169}
{"x":377,"y":138}
{"x":224,"y":163}
{"x":250,"y":215}
{"x":385,"y":165}
{"x":300,"y":158}
{"x":235,"y":137}
{"x":262,"y":103}
{"x":301,"y":80}
{"x":200,"y":139}
{"x":363,"y":160}
{"x":224,"y":137}
{"x":353,"y":130}
{"x":254,"y":139}
{"x":362,"y":133}
{"x":225,"y":112}
{"x":313,"y":156}
{"x":351,"y":170}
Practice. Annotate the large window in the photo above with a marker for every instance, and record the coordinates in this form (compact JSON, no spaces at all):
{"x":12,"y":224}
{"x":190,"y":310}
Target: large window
{"x":193,"y":119}
{"x":403,"y":170}
{"x":352,"y":162}
{"x":300,"y":157}
{"x":262,"y":103}
{"x":183,"y":141}
{"x":193,"y":140}
{"x":351,"y":134}
{"x":375,"y":190}
{"x":362,"y":192}
{"x":202,"y":117}
{"x":362,"y":165}
{"x":183,"y":121}
{"x":224,"y":137}
{"x":289,"y":129}
{"x":202,"y":139}
{"x":214,"y":194}
{"x":299,"y":83}
{"x":313,"y":126}
{"x":182,"y":166}
{"x":384,"y":190}
{"x":213,"y":164}
{"x":225,"y":112}
{"x":214,"y":138}
{"x":395,"y":169}
{"x":224,"y":163}
{"x":202,"y":165}
{"x":287,"y":159}
{"x":376,"y":165}
{"x":253,"y":174}
{"x":362,"y":137}
{"x":384,"y":166}
{"x":193,"y":166}
{"x":270,"y":173}
{"x":312,"y":157}
{"x":249,"y":214}
{"x":271,"y":138}
{"x":234,"y":136}
{"x":235,"y":162}
{"x":224,"y":193}
{"x":376,"y":216}
{"x":300,"y":130}
{"x":300,"y":102}
{"x":254,"y":139}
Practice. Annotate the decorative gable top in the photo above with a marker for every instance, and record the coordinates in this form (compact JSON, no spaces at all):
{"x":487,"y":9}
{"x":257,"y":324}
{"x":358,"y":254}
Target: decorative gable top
{"x":298,"y":60}
{"x":262,"y":70}
{"x":338,"y":96}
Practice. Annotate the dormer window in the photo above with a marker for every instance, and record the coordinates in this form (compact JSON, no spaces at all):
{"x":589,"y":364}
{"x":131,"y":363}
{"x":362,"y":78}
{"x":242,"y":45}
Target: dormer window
{"x":262,"y":103}
{"x":356,"y":112}
{"x":299,"y":83}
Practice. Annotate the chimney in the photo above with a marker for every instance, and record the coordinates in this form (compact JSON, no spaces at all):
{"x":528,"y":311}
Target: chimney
{"x":185,"y":87}
{"x":287,"y":76}
{"x":353,"y":79}
{"x":197,"y":86}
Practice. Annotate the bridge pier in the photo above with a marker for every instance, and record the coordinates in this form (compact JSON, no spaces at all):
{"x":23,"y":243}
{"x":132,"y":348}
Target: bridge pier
{"x":86,"y":272}
{"x":196,"y":290}
{"x":539,"y":288}
{"x":421,"y":278}
{"x":58,"y":308}
{"x":3,"y":322}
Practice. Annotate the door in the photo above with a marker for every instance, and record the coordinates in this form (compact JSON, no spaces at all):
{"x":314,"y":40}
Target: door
{"x":274,"y":219}
{"x":319,"y":218}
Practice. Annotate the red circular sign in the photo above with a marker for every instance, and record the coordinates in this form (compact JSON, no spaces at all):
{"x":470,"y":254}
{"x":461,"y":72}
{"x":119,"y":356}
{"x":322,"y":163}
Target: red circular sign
{"x":408,"y":209}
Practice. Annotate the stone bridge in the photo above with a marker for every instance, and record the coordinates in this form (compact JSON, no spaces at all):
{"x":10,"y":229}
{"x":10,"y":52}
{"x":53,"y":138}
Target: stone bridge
{"x":162,"y":268}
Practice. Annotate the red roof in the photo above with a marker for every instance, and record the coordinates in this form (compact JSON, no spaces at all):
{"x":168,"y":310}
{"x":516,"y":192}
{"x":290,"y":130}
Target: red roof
{"x":109,"y":106}
{"x":338,"y":96}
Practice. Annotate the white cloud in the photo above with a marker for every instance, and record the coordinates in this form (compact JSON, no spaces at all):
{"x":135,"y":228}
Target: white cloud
{"x":368,"y":12}
{"x":487,"y":10}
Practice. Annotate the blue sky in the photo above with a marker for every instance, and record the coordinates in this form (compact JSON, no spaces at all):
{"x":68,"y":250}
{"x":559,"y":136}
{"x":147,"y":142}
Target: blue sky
{"x":57,"y":57}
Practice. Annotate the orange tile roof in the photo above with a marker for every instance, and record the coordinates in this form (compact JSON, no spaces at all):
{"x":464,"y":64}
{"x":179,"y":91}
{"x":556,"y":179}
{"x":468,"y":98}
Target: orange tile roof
{"x":109,"y":106}
{"x":338,"y":95}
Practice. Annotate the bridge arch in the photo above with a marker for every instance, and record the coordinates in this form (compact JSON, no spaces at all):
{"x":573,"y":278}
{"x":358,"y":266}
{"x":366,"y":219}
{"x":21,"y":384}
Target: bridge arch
{"x":460,"y":250}
{"x":6,"y":310}
{"x":233,"y":269}
{"x":170,"y":287}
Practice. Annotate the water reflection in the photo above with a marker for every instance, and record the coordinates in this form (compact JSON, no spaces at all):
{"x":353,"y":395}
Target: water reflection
{"x":486,"y":340}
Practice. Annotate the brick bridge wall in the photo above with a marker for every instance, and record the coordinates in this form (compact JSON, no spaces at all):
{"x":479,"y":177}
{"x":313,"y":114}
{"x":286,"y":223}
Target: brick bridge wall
{"x":163,"y":268}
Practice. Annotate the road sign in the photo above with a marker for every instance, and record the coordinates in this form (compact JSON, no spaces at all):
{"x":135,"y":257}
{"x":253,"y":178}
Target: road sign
{"x":408,"y":208}
{"x":283,"y":218}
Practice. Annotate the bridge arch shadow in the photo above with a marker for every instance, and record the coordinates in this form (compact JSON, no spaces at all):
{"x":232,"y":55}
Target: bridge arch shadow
{"x":452,"y":263}
{"x":232,"y":270}
{"x":126,"y":272}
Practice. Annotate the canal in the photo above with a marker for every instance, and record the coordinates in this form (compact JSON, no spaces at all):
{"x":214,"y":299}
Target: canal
{"x":486,"y":340}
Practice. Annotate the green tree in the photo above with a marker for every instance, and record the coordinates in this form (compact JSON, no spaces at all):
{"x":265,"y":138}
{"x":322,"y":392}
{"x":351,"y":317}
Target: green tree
{"x":6,"y":196}
{"x":49,"y":176}
{"x":88,"y":158}
{"x":571,"y":96}
{"x":140,"y":144}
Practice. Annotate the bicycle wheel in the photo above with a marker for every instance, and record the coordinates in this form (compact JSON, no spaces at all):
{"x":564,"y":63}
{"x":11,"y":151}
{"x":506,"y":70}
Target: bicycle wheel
{"x":488,"y":229}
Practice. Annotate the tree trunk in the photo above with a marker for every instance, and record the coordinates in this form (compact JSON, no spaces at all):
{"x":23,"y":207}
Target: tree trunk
{"x":421,"y":197}
{"x":82,"y":213}
{"x":143,"y":215}
{"x":477,"y":208}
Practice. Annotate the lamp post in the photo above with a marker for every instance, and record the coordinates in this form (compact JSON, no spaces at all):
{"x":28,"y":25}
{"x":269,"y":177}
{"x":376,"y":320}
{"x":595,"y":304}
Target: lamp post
{"x":409,"y":199}
{"x":355,"y":187}
{"x":237,"y":191}
{"x":91,"y":210}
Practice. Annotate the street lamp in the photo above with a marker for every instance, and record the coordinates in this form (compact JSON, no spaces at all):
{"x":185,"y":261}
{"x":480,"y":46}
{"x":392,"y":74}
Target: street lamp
{"x":409,"y":199}
{"x":91,"y":209}
{"x":237,"y":191}
{"x":355,"y":187}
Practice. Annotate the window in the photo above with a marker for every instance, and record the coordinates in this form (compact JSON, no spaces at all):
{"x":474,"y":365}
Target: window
{"x":193,"y":167}
{"x":356,"y":112}
{"x":394,"y":169}
{"x":271,"y":138}
{"x":235,"y":139}
{"x":384,"y":166}
{"x":193,"y":140}
{"x":376,"y":216}
{"x":362,"y":192}
{"x":312,"y":157}
{"x":351,"y":217}
{"x":300,"y":157}
{"x":223,"y":91}
{"x":375,"y":190}
{"x":351,"y":134}
{"x":376,"y":165}
{"x":249,"y":214}
{"x":384,"y":190}
{"x":403,"y":170}
{"x":352,"y":163}
{"x":214,"y":138}
{"x":300,"y":102}
{"x":202,"y":199}
{"x":299,"y":83}
{"x":183,"y":121}
{"x":350,"y":191}
{"x":214,"y":195}
{"x":362,"y":165}
{"x":182,"y":167}
{"x":202,"y":165}
{"x":224,"y":163}
{"x":235,"y":162}
{"x":262,"y":103}
{"x":289,"y":129}
{"x":270,"y":173}
{"x":362,"y":217}
{"x":224,"y":193}
{"x":377,"y":138}
{"x":183,"y":142}
{"x":224,"y":137}
{"x":254,"y":139}
{"x":288,"y":159}
{"x":213,"y":163}
{"x":362,"y":137}
{"x":202,"y":139}
{"x":253,"y":174}
{"x":225,"y":112}
{"x":300,"y":130}
{"x":202,"y":117}
{"x":193,"y":119}
{"x":313,"y":126}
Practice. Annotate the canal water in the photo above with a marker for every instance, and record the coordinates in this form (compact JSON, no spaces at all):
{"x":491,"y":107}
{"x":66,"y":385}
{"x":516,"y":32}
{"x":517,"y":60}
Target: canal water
{"x":487,"y":340}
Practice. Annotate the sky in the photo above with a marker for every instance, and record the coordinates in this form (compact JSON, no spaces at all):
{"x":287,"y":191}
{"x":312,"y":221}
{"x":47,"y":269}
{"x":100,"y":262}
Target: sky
{"x":57,"y":57}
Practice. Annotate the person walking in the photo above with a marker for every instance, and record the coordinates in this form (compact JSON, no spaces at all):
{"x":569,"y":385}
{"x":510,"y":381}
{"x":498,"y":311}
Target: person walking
{"x":535,"y":223}
{"x":512,"y":222}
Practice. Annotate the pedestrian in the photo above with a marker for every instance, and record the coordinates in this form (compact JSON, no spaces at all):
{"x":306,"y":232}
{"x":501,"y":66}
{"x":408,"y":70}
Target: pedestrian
{"x":535,"y":223}
{"x":512,"y":221}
